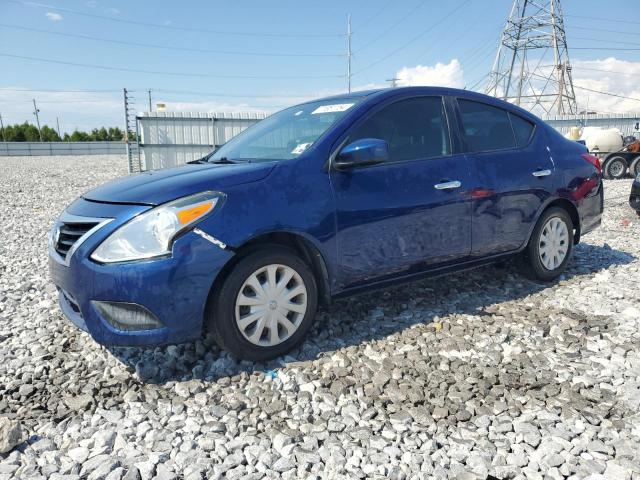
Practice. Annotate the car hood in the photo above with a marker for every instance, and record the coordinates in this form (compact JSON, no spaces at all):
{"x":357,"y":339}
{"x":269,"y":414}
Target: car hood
{"x":160,"y":186}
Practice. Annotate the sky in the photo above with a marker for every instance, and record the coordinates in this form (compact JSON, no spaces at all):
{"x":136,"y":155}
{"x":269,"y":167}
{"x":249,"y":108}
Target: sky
{"x":264,"y":55}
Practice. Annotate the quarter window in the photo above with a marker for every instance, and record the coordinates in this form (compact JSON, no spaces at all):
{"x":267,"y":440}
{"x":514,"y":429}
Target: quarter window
{"x":521,"y":128}
{"x":486,"y":127}
{"x":414,"y":128}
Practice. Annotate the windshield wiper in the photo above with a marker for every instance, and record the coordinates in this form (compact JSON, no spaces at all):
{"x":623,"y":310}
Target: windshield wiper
{"x":223,"y":160}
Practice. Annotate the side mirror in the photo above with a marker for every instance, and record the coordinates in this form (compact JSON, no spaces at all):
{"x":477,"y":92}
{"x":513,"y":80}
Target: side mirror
{"x":366,"y":151}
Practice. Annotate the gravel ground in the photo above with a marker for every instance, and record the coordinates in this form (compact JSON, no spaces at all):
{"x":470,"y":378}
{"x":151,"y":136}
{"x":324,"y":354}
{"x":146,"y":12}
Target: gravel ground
{"x":481,"y":375}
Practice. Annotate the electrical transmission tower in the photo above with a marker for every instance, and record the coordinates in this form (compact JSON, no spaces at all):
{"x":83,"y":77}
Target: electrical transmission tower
{"x":532,"y":67}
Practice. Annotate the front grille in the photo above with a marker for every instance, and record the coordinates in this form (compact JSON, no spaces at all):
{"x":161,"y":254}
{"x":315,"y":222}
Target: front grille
{"x":68,"y":234}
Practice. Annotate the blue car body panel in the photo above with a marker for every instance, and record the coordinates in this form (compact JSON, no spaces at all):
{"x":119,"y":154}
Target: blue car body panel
{"x":369,"y":225}
{"x":174,"y":288}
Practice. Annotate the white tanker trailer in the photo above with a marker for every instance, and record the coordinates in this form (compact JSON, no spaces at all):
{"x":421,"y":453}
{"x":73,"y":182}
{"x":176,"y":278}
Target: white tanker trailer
{"x":617,"y":159}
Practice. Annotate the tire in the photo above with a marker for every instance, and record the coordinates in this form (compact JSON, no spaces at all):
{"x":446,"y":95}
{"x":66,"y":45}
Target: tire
{"x":634,"y":169}
{"x":532,"y":262}
{"x":615,"y":168}
{"x":256,"y":340}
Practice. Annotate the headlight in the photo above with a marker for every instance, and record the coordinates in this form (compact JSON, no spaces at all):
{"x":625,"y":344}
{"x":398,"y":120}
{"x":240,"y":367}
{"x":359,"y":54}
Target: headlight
{"x":151,"y":234}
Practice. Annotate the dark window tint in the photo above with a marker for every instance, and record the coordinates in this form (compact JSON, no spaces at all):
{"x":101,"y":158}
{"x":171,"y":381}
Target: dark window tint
{"x":414,"y":128}
{"x":486,"y":127}
{"x":522,"y":129}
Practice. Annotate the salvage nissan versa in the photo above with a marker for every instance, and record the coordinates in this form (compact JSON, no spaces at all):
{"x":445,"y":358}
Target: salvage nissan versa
{"x":318,"y":201}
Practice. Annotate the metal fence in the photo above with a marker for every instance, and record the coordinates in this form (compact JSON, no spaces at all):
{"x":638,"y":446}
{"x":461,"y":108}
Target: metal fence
{"x":61,"y":148}
{"x":169,"y":139}
{"x":627,"y":123}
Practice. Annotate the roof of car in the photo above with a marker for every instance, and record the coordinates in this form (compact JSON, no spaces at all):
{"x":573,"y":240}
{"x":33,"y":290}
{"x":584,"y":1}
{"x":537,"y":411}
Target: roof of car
{"x":433,"y":90}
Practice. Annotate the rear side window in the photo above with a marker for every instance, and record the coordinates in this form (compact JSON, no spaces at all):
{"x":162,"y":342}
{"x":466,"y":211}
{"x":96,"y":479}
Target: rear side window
{"x":523,"y":129}
{"x":414,"y":128}
{"x":486,"y":127}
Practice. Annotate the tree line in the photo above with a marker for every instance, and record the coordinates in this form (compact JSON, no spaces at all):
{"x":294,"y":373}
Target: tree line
{"x":27,"y":132}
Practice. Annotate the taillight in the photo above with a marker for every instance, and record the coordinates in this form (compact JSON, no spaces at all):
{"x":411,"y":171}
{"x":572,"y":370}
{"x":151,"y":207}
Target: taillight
{"x":593,"y":160}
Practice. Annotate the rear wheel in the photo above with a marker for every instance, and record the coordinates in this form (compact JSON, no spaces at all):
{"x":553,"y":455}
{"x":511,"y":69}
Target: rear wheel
{"x":634,"y":169}
{"x":265,"y":306}
{"x":550,"y":246}
{"x":615,"y":168}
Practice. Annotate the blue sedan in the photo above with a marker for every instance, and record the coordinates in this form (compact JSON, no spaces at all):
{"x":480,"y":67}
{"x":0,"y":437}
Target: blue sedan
{"x":318,"y":201}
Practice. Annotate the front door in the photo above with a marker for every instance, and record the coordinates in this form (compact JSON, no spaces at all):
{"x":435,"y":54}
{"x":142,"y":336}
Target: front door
{"x":410,"y":212}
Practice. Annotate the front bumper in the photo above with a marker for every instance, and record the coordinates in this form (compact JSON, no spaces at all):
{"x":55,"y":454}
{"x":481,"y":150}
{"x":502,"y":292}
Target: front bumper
{"x":174,"y":289}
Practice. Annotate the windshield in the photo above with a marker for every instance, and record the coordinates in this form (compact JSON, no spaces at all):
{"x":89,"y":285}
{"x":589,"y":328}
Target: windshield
{"x":286,"y":134}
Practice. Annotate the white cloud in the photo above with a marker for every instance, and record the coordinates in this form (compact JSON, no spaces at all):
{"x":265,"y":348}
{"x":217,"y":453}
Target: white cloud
{"x":607,"y":75}
{"x":441,"y":74}
{"x":53,"y":16}
{"x":113,"y":11}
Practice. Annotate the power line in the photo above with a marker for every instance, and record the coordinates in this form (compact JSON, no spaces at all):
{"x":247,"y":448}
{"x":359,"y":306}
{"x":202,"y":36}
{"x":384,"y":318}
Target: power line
{"x":169,"y":91}
{"x":588,"y":89}
{"x":375,"y":15}
{"x":169,"y":47}
{"x":583,"y":28}
{"x":616,"y":49}
{"x":174,"y":74}
{"x":603,"y":40}
{"x":175,"y":27}
{"x":607,"y":93}
{"x":48,"y":90}
{"x":394,"y":25}
{"x":604,"y":70}
{"x":417,"y":37}
{"x":600,"y":19}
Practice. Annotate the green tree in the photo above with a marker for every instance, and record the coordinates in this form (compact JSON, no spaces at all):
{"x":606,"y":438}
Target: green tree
{"x":49,"y":134}
{"x":26,"y":132}
{"x":115,"y":134}
{"x":78,"y":136}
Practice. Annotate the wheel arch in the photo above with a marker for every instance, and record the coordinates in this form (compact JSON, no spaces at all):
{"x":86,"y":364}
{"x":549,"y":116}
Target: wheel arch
{"x":565,"y":204}
{"x":300,"y":244}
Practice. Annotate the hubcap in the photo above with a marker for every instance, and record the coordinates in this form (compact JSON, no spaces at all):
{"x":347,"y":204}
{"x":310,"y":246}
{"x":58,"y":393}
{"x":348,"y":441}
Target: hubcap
{"x":271,"y":305}
{"x":554,"y":243}
{"x":616,"y":168}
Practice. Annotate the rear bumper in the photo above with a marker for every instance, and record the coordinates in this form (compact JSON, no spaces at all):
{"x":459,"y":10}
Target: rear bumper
{"x":591,"y":210}
{"x":634,"y":197}
{"x":173,"y":289}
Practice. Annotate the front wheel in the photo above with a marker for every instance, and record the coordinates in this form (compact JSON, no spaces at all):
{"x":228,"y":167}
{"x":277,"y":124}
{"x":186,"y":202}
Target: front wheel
{"x":265,"y":306}
{"x":550,"y":246}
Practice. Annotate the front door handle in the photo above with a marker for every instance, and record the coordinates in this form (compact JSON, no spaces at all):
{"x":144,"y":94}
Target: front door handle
{"x":541,"y":173}
{"x":447,"y":185}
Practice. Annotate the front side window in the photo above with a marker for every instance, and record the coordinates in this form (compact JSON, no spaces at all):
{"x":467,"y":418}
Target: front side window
{"x":286,"y":134}
{"x":414,"y":128}
{"x":486,"y":127}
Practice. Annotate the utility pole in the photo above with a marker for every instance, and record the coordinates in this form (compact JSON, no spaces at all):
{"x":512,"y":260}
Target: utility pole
{"x":349,"y":53}
{"x":394,"y":81}
{"x":532,"y":67}
{"x":58,"y":127}
{"x":150,"y":108}
{"x":35,"y":112}
{"x":2,"y":128}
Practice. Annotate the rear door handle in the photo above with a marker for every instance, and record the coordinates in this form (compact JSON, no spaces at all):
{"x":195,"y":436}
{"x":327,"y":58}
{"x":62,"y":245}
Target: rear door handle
{"x":447,"y":185}
{"x":541,"y":173}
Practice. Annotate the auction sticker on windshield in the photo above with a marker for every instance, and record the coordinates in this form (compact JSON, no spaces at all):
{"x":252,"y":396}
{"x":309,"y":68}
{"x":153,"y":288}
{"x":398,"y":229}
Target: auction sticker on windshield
{"x":337,"y":107}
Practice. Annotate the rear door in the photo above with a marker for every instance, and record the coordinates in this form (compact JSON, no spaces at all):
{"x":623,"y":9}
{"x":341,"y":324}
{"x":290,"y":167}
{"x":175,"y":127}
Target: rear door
{"x":409,"y":212}
{"x":514,"y":175}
